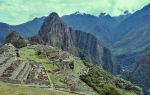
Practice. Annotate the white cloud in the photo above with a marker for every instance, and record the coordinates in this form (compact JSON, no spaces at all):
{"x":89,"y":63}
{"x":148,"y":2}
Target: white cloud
{"x":19,"y":11}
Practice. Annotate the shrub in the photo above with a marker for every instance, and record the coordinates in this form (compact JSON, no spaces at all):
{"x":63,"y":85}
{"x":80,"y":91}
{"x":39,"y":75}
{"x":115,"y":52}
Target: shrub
{"x":20,"y":43}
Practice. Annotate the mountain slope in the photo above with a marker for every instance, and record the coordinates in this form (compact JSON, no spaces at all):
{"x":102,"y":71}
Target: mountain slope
{"x":27,"y":29}
{"x":135,"y":30}
{"x":98,"y":26}
{"x":54,"y":32}
{"x":67,"y":74}
{"x":141,"y":74}
{"x":134,"y":36}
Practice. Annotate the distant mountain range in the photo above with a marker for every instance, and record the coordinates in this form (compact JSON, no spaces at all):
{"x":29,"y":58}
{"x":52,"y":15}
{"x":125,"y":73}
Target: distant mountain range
{"x":133,"y":36}
{"x":126,"y":35}
{"x":140,"y":75}
{"x":27,"y":29}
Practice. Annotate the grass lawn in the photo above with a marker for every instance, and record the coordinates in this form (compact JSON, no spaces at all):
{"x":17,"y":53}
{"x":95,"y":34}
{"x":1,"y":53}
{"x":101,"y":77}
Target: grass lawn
{"x":50,"y":66}
{"x":77,"y":68}
{"x":10,"y":89}
{"x":31,"y":54}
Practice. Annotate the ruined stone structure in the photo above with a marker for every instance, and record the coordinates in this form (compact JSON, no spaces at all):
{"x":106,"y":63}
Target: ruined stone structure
{"x":14,"y":70}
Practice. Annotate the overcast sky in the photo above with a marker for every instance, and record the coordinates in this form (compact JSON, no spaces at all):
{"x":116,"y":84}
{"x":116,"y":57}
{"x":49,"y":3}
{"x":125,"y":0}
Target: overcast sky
{"x":19,"y":11}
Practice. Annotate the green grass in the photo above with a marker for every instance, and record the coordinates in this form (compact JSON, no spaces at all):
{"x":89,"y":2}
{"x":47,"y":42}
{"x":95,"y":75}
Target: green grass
{"x":50,"y":66}
{"x":31,"y":54}
{"x":9,"y":89}
{"x":77,"y":68}
{"x":55,"y":79}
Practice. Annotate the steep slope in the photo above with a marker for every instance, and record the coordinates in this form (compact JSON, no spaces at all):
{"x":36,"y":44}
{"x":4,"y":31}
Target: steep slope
{"x":27,"y":29}
{"x":101,"y":27}
{"x":3,"y":31}
{"x":141,"y":74}
{"x":133,"y":39}
{"x":135,"y":31}
{"x":54,"y":32}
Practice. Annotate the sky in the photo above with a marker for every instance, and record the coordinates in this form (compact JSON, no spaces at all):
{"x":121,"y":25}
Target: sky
{"x":19,"y":11}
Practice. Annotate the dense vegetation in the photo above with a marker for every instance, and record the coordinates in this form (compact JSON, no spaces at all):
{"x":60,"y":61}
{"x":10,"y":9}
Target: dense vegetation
{"x":15,"y":38}
{"x":105,"y":84}
{"x":141,"y":74}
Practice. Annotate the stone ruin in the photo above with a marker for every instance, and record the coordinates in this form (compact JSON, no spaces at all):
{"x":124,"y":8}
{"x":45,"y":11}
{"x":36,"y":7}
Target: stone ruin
{"x":37,"y":75}
{"x":14,"y":70}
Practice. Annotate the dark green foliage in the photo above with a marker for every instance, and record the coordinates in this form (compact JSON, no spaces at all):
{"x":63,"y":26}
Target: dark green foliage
{"x":39,"y":52}
{"x":86,"y":63}
{"x":18,"y":54}
{"x":100,"y":81}
{"x":35,"y":40}
{"x":140,"y":76}
{"x":15,"y":39}
{"x":20,"y":43}
{"x":104,"y":83}
{"x":12,"y":37}
{"x":71,"y":65}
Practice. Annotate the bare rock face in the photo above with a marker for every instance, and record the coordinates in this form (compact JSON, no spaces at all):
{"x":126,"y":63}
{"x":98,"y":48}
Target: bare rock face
{"x":56,"y":33}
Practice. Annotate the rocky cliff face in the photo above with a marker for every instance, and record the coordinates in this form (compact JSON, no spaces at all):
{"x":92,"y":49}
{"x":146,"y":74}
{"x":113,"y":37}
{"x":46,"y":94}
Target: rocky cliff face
{"x":88,"y":47}
{"x":55,"y":33}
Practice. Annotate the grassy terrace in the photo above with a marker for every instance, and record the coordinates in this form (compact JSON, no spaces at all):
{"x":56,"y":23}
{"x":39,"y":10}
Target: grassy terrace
{"x":10,"y":89}
{"x":50,"y":67}
{"x":31,"y":54}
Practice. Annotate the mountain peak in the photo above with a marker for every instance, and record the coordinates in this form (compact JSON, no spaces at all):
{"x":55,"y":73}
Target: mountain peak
{"x":53,"y":15}
{"x":52,"y":23}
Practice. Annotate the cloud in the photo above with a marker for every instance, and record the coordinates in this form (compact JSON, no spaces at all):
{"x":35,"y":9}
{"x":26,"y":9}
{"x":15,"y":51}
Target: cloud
{"x":19,"y":11}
